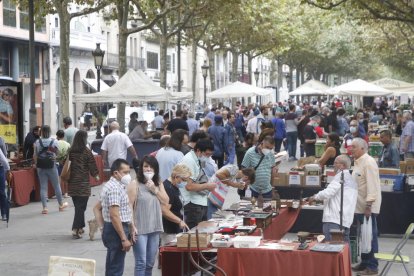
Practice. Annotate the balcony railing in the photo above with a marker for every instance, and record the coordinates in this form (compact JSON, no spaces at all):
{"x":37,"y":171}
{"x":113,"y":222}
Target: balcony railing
{"x":136,"y":63}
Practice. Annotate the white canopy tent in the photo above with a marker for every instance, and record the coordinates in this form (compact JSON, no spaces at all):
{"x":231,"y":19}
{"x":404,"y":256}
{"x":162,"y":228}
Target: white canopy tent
{"x":93,"y":83}
{"x":171,"y":95}
{"x":396,"y":86}
{"x":310,"y":88}
{"x":131,"y":87}
{"x":359,"y":88}
{"x":238,"y":90}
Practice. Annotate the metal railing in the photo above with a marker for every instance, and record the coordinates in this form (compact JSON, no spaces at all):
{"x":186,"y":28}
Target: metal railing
{"x":135,"y":63}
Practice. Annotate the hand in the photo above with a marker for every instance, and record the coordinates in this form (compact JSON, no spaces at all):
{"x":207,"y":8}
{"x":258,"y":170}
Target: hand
{"x":151,"y":186}
{"x":126,"y":245}
{"x":183,"y":225}
{"x":311,"y":200}
{"x":367,"y":211}
{"x":211,"y":186}
{"x":241,"y":186}
{"x":134,"y":233}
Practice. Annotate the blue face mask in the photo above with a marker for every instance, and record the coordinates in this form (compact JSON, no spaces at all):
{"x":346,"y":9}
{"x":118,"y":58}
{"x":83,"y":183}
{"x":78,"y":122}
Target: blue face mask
{"x":181,"y":185}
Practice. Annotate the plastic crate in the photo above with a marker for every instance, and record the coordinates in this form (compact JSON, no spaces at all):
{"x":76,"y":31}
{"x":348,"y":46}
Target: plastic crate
{"x":395,"y":181}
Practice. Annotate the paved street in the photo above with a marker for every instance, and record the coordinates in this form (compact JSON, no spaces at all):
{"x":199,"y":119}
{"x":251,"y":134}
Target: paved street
{"x":31,"y":238}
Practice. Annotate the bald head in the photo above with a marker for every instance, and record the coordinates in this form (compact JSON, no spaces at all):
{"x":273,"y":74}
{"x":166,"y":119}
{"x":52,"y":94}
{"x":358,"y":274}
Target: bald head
{"x":114,"y":125}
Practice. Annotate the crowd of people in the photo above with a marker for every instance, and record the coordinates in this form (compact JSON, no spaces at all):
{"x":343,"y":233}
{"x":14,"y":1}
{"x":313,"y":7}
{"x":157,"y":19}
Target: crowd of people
{"x":187,"y":179}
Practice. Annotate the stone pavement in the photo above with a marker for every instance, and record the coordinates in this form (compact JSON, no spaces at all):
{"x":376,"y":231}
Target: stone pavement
{"x":25,"y":246}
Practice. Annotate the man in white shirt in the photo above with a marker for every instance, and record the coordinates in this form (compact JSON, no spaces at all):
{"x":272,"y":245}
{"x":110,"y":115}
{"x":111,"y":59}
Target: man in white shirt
{"x":115,"y":145}
{"x":253,"y":125}
{"x":331,"y":196}
{"x":158,"y":122}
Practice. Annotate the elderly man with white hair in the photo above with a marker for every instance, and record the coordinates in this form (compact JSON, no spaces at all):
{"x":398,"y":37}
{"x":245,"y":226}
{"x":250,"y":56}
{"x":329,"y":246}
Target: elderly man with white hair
{"x":366,"y":175}
{"x":192,"y":123}
{"x":115,"y":146}
{"x":407,"y":136}
{"x":331,"y":196}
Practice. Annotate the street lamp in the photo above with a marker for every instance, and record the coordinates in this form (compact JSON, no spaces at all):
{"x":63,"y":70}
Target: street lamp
{"x":256,"y":77}
{"x":98,"y":55}
{"x":204,"y":71}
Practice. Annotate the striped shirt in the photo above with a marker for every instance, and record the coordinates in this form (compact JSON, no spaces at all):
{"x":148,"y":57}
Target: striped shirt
{"x":82,"y":165}
{"x":263,"y":172}
{"x":114,"y":194}
{"x":148,"y":216}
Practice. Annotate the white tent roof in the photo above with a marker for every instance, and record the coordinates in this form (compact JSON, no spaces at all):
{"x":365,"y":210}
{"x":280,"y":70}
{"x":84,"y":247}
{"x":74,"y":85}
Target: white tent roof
{"x":359,"y":88}
{"x":309,"y":88}
{"x":171,"y":95}
{"x":93,"y":83}
{"x":396,"y":86}
{"x":238,"y":89}
{"x":131,"y":87}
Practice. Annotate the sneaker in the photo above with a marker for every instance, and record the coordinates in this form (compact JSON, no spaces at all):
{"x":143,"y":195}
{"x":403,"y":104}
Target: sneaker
{"x":93,"y":228}
{"x":44,"y":211}
{"x":76,"y":234}
{"x":66,"y":196}
{"x":3,"y":217}
{"x":63,"y":206}
{"x":368,"y":271}
{"x":358,"y":268}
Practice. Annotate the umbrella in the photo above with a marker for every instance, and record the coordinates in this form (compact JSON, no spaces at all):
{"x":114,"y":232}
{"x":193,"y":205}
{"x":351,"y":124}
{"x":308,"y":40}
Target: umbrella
{"x":310,"y":88}
{"x":359,"y":88}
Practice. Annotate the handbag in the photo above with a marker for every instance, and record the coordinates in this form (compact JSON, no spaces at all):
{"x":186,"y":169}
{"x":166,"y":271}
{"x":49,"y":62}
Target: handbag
{"x":65,"y":174}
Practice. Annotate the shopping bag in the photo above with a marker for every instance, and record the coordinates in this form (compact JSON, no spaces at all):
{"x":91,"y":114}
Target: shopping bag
{"x":366,"y":235}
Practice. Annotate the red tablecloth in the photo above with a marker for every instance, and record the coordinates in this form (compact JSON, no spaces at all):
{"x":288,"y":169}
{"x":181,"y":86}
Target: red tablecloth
{"x":23,"y":183}
{"x":243,"y":261}
{"x":281,"y":224}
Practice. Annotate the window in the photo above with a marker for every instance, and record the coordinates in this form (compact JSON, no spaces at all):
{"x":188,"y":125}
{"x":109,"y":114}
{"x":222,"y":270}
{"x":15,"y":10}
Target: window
{"x":169,"y":63}
{"x":24,"y":19}
{"x":9,"y":13}
{"x":152,"y":60}
{"x":56,"y":22}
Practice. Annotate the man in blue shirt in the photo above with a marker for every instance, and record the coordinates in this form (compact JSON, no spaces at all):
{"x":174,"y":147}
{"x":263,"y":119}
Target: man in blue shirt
{"x":231,"y":135}
{"x":220,"y":140}
{"x":390,"y":156}
{"x":280,"y":131}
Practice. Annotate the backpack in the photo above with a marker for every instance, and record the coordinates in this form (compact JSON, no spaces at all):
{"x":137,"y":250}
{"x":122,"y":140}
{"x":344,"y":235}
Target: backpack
{"x":46,"y":156}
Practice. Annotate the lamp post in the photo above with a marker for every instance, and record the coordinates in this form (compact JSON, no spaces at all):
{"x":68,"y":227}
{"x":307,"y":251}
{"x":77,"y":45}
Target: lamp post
{"x":98,"y":55}
{"x":204,"y":71}
{"x":256,"y":77}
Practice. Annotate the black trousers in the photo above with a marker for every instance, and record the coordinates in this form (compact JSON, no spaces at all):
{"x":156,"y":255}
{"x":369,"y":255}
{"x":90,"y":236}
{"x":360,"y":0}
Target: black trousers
{"x":194,"y":214}
{"x":80,"y":203}
{"x":219,"y":160}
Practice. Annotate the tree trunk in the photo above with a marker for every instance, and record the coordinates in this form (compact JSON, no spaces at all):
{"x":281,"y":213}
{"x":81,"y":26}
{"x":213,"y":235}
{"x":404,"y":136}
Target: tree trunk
{"x":249,"y":66}
{"x":234,"y":66}
{"x":163,"y":60}
{"x":212,"y":67}
{"x":64,"y":57}
{"x":297,"y":76}
{"x":279,"y":74}
{"x":290,"y":84}
{"x":122,"y":42}
{"x":194,"y":71}
{"x":302,"y":74}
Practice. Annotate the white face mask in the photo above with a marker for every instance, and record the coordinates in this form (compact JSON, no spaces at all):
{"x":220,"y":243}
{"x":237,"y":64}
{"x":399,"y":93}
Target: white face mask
{"x":267,"y":151}
{"x":353,"y":129}
{"x":126,"y":179}
{"x":203,"y":158}
{"x":148,"y":175}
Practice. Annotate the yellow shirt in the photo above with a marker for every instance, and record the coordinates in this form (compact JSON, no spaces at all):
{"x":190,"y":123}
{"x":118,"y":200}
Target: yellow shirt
{"x":366,"y":175}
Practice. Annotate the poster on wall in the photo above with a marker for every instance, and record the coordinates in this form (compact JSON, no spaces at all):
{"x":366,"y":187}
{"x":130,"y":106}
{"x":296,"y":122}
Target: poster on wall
{"x":8,"y":114}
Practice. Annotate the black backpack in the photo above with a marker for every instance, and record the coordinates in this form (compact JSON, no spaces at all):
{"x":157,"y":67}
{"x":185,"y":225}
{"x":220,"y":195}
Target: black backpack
{"x":46,"y":156}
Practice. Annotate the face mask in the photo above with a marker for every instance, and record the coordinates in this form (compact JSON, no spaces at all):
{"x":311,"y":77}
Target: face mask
{"x":126,"y":179}
{"x":352,"y":129}
{"x":181,"y":185}
{"x":148,"y":175}
{"x":203,"y":158}
{"x":267,"y":151}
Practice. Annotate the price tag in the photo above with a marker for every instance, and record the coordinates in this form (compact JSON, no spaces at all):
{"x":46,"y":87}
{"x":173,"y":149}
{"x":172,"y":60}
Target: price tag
{"x":8,"y":132}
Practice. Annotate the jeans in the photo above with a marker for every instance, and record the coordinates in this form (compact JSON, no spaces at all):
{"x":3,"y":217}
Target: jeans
{"x":145,"y":250}
{"x":44,"y":176}
{"x":211,"y":209}
{"x":80,"y":203}
{"x":368,"y":260}
{"x":115,"y":257}
{"x":278,"y":144}
{"x":265,"y":195}
{"x":3,"y":196}
{"x":292,"y":140}
{"x":327,"y":226}
{"x":194,"y":214}
{"x":231,"y":156}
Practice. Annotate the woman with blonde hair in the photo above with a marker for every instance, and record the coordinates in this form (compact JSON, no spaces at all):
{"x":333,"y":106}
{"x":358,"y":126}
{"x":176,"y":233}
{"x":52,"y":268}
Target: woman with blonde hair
{"x":172,"y":219}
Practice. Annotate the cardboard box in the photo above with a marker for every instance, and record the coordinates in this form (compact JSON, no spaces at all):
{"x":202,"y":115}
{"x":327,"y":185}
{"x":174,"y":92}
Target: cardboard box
{"x":295,"y":178}
{"x":409,"y":168}
{"x":280,"y":180}
{"x":403,"y":167}
{"x":389,"y":171}
{"x":70,"y":266}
